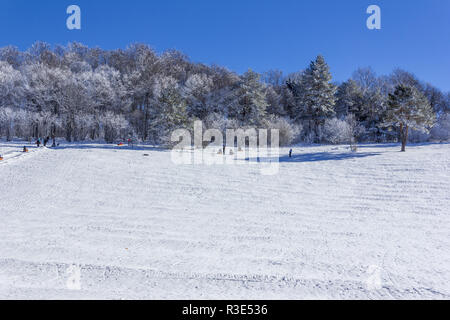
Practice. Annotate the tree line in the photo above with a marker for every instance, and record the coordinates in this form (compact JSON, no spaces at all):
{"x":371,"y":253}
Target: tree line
{"x":81,"y":93}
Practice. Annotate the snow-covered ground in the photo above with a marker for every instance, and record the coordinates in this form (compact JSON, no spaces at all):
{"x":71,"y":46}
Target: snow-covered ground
{"x":331,"y":224}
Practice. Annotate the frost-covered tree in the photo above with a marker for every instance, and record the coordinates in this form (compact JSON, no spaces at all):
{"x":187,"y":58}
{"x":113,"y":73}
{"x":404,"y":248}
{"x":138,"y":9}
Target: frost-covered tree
{"x":250,"y":105}
{"x":6,"y":122}
{"x":371,"y":102}
{"x":408,"y":109}
{"x":315,"y":95}
{"x":197,"y":92}
{"x":274,"y":102}
{"x":45,"y":96}
{"x":402,"y":77}
{"x":288,"y":130}
{"x":438,"y":101}
{"x":170,"y":109}
{"x":12,"y":86}
{"x":81,"y":93}
{"x":114,"y":126}
{"x":318,"y":96}
{"x":288,"y":101}
{"x":441,"y":131}
{"x":344,"y":130}
{"x":12,"y":56}
{"x":141,"y":67}
{"x":274,"y":78}
{"x":350,"y":99}
{"x":366,"y":78}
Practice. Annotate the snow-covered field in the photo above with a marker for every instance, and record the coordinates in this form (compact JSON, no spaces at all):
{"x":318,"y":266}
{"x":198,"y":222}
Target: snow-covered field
{"x":330,"y":224}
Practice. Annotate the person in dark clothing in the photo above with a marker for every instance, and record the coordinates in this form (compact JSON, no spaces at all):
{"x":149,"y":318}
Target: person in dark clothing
{"x":46,"y":141}
{"x":38,"y":143}
{"x":290,"y":153}
{"x":131,"y":142}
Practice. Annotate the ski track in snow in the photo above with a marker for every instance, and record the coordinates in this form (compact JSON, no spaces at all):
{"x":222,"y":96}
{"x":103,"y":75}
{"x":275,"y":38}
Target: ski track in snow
{"x":143,"y":227}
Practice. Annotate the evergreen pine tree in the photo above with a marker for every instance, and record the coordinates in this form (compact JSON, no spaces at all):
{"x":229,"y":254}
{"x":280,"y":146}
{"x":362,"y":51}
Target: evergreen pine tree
{"x":274,"y":102}
{"x":409,"y":108}
{"x":349,"y":99}
{"x":317,"y":95}
{"x":170,"y":112}
{"x":251,"y":100}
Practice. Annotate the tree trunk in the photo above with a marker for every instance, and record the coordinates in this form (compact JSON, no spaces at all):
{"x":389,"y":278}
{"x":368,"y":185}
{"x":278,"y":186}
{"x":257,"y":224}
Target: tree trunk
{"x":69,"y":131}
{"x":404,"y":137}
{"x":146,"y":116}
{"x":36,"y":130}
{"x":53,"y":134}
{"x":8,"y":131}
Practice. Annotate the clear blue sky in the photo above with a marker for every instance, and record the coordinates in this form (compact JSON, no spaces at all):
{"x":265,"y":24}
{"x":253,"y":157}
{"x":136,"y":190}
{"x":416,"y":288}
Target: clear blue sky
{"x":256,"y":34}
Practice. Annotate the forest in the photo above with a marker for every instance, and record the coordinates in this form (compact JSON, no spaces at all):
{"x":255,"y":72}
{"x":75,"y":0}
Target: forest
{"x":78,"y":93}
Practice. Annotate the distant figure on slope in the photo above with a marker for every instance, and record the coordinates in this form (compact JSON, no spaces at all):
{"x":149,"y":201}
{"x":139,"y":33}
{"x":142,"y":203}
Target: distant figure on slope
{"x":290,"y":153}
{"x":46,"y":141}
{"x":25,"y":149}
{"x":38,"y":142}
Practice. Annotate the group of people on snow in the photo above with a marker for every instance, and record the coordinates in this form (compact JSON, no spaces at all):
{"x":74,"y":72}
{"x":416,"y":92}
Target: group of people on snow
{"x":45,"y":142}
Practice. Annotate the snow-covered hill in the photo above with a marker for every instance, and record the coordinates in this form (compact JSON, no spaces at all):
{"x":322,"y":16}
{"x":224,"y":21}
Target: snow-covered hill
{"x":330,"y":224}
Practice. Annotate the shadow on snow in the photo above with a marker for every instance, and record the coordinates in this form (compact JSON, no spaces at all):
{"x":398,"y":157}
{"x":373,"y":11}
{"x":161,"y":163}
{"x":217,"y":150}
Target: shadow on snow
{"x":108,"y":147}
{"x":316,"y":157}
{"x":398,"y":145}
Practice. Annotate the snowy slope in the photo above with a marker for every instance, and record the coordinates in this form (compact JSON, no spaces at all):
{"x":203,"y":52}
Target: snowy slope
{"x":330,"y":224}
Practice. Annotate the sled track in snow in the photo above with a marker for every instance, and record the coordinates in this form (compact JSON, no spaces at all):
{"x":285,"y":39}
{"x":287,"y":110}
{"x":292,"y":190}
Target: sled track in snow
{"x":12,"y":156}
{"x":95,"y":277}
